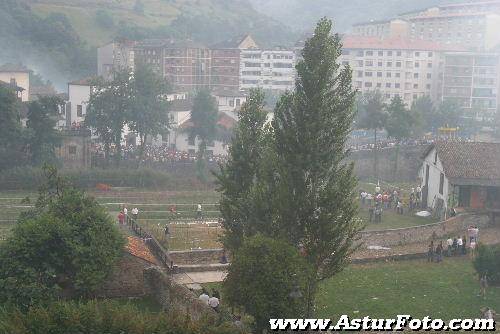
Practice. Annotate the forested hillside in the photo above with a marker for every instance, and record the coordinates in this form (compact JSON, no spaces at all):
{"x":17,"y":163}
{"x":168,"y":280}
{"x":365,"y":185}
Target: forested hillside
{"x":63,"y":34}
{"x":302,"y":14}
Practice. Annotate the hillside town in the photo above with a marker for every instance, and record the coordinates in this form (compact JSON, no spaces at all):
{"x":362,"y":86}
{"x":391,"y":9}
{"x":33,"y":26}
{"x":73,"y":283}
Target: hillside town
{"x":242,"y":183}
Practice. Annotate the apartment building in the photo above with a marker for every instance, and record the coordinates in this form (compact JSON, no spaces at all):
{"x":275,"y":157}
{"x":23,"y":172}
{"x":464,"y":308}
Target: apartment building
{"x":394,"y":66}
{"x":267,"y":69}
{"x":472,"y":80}
{"x":115,"y":56}
{"x":471,"y":25}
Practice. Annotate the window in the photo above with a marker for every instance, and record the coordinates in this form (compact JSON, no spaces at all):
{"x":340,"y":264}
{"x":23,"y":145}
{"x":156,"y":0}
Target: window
{"x":415,"y":86}
{"x":429,"y":54}
{"x":398,"y":64}
{"x":360,"y":63}
{"x":379,"y":85}
{"x":389,"y":64}
{"x":238,"y":102}
{"x":381,"y":53}
{"x":429,"y":75}
{"x":389,"y":74}
{"x":360,"y":74}
{"x":429,"y":65}
{"x":389,"y":53}
{"x":368,"y":84}
{"x":441,"y":183}
{"x":368,"y":74}
{"x":415,"y":75}
{"x":379,"y":74}
{"x":397,"y":85}
{"x":72,"y":150}
{"x":417,"y":54}
{"x":369,"y":63}
{"x":380,"y":64}
{"x":369,"y":53}
{"x":417,"y":64}
{"x":79,"y":110}
{"x":231,"y":103}
{"x":360,"y":53}
{"x":388,"y":85}
{"x":428,"y":86}
{"x":398,"y":75}
{"x":398,"y":54}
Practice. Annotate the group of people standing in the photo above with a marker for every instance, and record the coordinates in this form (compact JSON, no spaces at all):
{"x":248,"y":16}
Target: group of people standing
{"x":213,"y":301}
{"x":387,"y":200}
{"x":123,"y":214}
{"x":454,"y":246}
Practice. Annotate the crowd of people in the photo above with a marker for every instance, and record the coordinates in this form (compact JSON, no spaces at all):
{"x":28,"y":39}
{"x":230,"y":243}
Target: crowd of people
{"x":389,"y":199}
{"x":388,"y":143}
{"x":152,"y":153}
{"x":460,"y":245}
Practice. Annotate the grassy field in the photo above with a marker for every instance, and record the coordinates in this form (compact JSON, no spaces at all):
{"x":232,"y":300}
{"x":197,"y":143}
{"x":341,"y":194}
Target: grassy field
{"x":154,"y":207}
{"x":447,"y":290}
{"x":384,"y":290}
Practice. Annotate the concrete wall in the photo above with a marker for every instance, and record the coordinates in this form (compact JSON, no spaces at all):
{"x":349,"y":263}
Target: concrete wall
{"x":435,"y":170}
{"x":78,"y":95}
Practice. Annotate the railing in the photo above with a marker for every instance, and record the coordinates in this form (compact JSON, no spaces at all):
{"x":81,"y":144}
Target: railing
{"x":155,"y":247}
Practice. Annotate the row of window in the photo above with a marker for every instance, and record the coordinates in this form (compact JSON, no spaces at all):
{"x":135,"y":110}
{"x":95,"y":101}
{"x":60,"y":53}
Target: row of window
{"x":408,"y":75}
{"x":275,"y":65}
{"x":369,"y":53}
{"x":399,"y":64}
{"x":397,"y":85}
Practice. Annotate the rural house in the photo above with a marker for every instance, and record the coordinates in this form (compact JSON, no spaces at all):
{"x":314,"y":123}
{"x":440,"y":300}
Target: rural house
{"x":461,"y":174}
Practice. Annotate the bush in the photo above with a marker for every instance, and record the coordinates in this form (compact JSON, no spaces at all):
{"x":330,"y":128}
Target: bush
{"x":263,"y":277}
{"x":103,"y":317}
{"x":67,"y":244}
{"x":487,"y":262}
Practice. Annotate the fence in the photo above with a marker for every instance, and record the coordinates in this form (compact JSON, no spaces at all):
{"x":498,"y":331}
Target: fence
{"x":153,"y":244}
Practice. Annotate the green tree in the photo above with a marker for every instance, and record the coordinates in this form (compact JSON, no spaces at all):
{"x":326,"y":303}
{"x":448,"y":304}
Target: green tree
{"x":487,"y":262}
{"x":204,"y":116}
{"x":399,"y":120}
{"x":237,"y":175}
{"x":68,"y":243}
{"x":315,"y":187}
{"x":43,"y":137}
{"x":11,"y":134}
{"x":104,"y":19}
{"x":149,"y":111}
{"x":372,"y":115}
{"x":109,"y":109}
{"x":275,"y":293}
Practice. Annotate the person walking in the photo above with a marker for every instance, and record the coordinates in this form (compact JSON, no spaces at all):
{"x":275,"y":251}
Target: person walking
{"x":135,"y":213}
{"x":199,"y":212}
{"x":483,"y":284}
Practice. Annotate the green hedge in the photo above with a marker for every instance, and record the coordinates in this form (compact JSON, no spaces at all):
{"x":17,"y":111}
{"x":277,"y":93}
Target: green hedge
{"x":487,"y":262}
{"x":31,"y":178}
{"x":103,"y":317}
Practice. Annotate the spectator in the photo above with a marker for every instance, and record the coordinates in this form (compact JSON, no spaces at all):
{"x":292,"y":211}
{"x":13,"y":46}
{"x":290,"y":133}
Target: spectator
{"x":371,"y":211}
{"x":135,"y":213}
{"x":459,"y":246}
{"x":125,"y":211}
{"x":214,"y":303}
{"x":464,"y":245}
{"x":483,"y":284}
{"x":449,"y":243}
{"x":430,"y":252}
{"x":439,"y":252}
{"x":121,"y":218}
{"x":204,"y":297}
{"x":199,"y":212}
{"x":166,"y":231}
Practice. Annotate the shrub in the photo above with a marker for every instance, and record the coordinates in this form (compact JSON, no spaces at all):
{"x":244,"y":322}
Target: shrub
{"x":68,"y":243}
{"x":103,"y":317}
{"x":487,"y":262}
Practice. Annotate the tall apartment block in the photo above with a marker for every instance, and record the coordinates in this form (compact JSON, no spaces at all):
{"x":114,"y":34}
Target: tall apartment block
{"x":472,"y":80}
{"x":394,"y":66}
{"x":267,"y":69}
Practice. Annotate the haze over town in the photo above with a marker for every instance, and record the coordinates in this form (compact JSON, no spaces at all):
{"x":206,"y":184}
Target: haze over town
{"x":224,"y":166}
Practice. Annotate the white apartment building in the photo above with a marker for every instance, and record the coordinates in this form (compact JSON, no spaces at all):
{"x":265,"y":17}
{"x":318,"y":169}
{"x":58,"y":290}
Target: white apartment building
{"x":78,"y":97}
{"x":267,"y":69}
{"x":408,"y":68}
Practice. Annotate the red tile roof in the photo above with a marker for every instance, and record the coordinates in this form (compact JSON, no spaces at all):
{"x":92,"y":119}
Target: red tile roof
{"x":224,"y":121}
{"x":138,"y":248}
{"x":470,"y":163}
{"x":395,"y":43}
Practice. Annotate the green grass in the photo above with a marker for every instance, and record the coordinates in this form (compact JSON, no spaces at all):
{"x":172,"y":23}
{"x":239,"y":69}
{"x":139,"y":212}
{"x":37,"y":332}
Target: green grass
{"x":146,"y":303}
{"x":447,"y":290}
{"x":390,"y":220}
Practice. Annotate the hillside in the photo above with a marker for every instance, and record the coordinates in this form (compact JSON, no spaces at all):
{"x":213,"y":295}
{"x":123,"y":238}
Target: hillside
{"x":99,"y":21}
{"x":302,"y":14}
{"x":58,"y":38}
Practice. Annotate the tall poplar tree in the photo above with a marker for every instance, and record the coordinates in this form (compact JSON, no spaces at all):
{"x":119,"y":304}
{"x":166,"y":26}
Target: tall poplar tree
{"x":315,"y":187}
{"x":237,"y":175}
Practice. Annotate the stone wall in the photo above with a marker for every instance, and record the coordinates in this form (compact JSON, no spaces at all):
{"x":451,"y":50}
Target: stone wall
{"x":396,"y":237}
{"x":127,"y":279}
{"x":175,"y":297}
{"x":202,"y":256}
{"x":394,"y":165}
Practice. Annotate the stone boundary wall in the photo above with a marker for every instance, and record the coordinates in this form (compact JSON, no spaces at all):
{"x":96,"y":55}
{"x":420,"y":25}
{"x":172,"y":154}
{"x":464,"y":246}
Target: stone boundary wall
{"x":386,"y":238}
{"x":396,"y":237}
{"x":174,"y":297}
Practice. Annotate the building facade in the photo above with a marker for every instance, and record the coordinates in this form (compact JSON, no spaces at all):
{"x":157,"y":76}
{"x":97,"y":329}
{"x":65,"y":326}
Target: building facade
{"x":115,"y":56}
{"x":394,"y":66}
{"x":78,"y":97}
{"x":267,"y":69}
{"x":472,"y":81}
{"x":17,"y":76}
